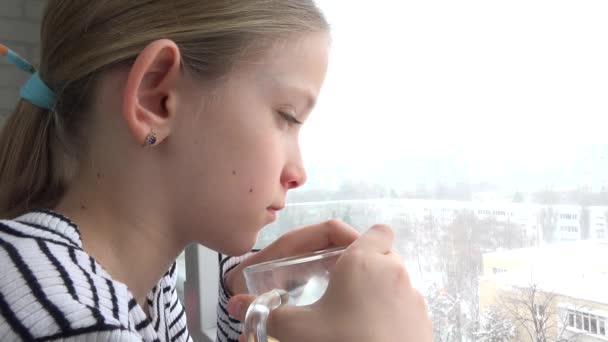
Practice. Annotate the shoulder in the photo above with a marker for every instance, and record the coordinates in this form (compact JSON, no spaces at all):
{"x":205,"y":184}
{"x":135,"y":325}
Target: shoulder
{"x":51,"y":287}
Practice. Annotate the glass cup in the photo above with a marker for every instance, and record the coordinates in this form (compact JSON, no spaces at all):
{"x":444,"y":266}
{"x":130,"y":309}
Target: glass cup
{"x":299,"y":280}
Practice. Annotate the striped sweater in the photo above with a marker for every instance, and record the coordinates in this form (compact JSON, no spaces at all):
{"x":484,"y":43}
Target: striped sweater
{"x":228,"y":328}
{"x":52,"y":290}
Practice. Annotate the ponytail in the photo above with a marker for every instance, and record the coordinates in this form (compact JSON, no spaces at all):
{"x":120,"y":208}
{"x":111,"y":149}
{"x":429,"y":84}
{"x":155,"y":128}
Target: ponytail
{"x":29,"y":152}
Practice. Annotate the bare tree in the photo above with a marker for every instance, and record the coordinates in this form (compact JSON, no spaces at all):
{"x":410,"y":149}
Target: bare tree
{"x":495,"y":326}
{"x":548,"y":222}
{"x":444,"y":310}
{"x":536,"y":312}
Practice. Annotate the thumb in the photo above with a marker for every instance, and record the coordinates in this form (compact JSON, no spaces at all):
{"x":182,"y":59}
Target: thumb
{"x":238,"y":305}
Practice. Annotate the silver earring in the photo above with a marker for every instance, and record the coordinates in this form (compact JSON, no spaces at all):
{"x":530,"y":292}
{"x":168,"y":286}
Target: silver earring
{"x":150,"y":139}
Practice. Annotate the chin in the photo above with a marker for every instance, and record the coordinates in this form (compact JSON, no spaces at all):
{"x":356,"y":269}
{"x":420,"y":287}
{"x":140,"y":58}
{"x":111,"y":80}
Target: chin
{"x":236,"y":247}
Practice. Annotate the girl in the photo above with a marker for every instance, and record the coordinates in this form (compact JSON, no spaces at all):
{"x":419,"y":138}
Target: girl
{"x":153,"y":124}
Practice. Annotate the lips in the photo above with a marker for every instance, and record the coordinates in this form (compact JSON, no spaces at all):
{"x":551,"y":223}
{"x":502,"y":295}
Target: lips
{"x":272,"y":213}
{"x":272,"y":210}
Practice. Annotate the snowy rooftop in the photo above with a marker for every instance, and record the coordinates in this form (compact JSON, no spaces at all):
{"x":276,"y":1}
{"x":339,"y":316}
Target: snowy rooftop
{"x":575,"y":269}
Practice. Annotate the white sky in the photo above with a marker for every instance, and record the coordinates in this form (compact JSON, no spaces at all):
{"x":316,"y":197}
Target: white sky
{"x":477,"y":79}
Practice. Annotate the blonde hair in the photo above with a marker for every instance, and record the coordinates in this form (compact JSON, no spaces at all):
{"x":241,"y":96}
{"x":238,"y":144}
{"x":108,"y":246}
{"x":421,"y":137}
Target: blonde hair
{"x":81,"y":39}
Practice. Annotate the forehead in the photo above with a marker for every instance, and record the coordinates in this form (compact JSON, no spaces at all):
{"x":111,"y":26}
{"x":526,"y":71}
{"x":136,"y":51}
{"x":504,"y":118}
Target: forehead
{"x":299,"y":63}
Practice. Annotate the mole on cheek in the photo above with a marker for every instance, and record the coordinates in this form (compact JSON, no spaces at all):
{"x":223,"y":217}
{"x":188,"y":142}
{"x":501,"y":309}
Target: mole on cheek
{"x":250,"y":190}
{"x":234,"y":173}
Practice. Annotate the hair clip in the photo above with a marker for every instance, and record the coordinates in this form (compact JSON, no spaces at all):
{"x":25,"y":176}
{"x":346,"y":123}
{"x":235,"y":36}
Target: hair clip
{"x":14,"y":58}
{"x":35,"y":90}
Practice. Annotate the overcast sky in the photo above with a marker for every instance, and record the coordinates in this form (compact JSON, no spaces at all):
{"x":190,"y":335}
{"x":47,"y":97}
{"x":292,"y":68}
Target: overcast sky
{"x":479,"y":80}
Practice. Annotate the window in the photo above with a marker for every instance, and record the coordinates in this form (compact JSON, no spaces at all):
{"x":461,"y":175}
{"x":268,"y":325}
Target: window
{"x":434,"y":105}
{"x":571,"y":316}
{"x":569,"y":229}
{"x":539,"y":311}
{"x":593,"y":325}
{"x":496,"y":270}
{"x":587,"y":322}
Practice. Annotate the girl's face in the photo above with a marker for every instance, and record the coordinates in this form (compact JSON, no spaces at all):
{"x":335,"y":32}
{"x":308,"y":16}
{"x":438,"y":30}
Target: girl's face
{"x":237,"y":151}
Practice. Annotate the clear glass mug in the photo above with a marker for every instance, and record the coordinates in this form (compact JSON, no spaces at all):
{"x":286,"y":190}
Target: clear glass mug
{"x":299,"y":280}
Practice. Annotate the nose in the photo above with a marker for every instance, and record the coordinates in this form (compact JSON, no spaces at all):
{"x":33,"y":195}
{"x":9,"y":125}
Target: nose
{"x":294,"y":174}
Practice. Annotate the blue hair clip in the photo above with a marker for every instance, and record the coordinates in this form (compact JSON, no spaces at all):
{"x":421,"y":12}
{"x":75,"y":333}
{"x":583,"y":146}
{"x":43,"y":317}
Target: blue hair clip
{"x":13,"y":58}
{"x":35,"y":90}
{"x":38,"y":93}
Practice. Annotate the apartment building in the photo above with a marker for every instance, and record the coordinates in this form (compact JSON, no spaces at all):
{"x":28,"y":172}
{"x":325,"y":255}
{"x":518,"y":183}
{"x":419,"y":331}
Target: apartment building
{"x":563,"y":285}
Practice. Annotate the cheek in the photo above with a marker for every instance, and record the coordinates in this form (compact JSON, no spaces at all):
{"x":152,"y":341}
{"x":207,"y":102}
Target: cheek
{"x":229,"y":162}
{"x":255,"y":176}
{"x":268,"y":159}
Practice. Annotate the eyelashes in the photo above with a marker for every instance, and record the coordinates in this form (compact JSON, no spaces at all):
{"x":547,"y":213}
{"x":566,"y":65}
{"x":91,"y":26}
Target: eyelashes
{"x":290,"y":118}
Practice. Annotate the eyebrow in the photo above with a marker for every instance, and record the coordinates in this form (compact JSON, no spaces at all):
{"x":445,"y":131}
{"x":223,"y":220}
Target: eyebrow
{"x":310,"y":98}
{"x":290,"y":87}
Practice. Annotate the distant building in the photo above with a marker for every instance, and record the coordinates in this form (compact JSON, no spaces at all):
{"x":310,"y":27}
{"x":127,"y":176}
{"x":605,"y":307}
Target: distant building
{"x":597,"y":222}
{"x":566,"y":221}
{"x":570,"y":281}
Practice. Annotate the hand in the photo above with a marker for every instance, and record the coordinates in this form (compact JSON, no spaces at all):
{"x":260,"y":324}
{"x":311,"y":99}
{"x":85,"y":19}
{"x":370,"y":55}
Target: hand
{"x":332,"y":233}
{"x":369,"y":298}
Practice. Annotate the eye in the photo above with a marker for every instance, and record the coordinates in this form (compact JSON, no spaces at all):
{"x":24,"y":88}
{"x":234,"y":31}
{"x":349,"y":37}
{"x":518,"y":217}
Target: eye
{"x":290,"y":118}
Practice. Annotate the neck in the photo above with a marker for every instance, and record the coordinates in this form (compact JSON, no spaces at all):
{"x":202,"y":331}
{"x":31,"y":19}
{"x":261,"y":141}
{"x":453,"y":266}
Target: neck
{"x":125,"y":232}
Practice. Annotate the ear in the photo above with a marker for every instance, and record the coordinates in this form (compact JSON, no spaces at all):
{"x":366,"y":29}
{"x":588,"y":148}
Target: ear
{"x":150,"y":91}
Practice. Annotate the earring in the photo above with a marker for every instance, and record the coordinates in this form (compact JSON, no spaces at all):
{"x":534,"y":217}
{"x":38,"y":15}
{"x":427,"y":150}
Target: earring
{"x":150,"y":139}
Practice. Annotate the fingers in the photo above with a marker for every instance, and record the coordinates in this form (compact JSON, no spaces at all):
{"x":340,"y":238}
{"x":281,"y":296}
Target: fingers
{"x":289,"y":320}
{"x":332,"y":233}
{"x":238,"y":305}
{"x":379,"y":239}
{"x":278,"y":323}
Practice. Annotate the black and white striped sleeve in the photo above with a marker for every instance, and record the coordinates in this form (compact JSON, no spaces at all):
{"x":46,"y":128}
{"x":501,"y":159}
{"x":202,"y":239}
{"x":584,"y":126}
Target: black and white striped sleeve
{"x":228,"y":328}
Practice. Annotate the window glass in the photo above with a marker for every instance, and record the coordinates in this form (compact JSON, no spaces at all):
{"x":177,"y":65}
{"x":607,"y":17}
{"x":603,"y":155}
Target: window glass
{"x":446,"y":120}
